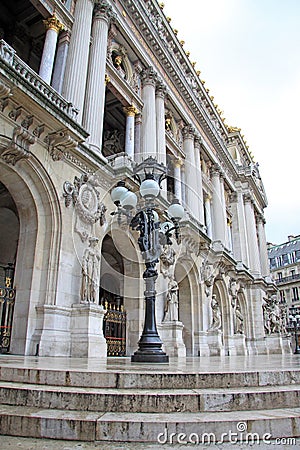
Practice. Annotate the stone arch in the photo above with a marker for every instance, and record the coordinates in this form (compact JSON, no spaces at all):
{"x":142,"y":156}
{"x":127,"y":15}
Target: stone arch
{"x":123,"y":251}
{"x":37,"y":258}
{"x":188,"y":305}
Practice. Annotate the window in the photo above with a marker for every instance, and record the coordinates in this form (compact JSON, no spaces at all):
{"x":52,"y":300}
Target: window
{"x":295,"y":295}
{"x":292,"y":257}
{"x":279,"y":275}
{"x":282,"y":296}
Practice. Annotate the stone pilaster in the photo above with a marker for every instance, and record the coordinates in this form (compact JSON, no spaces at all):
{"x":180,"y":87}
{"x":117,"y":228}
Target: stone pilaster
{"x":262,"y":242}
{"x":208,"y":215}
{"x":190,"y":171}
{"x":160,"y":122}
{"x":53,"y":27}
{"x":253,"y":250}
{"x":78,"y":54}
{"x":60,"y":61}
{"x":199,"y":179}
{"x":217,"y":207}
{"x":95,"y":91}
{"x":130,"y":112}
{"x":149,"y":78}
{"x":239,"y":233}
{"x":177,"y":179}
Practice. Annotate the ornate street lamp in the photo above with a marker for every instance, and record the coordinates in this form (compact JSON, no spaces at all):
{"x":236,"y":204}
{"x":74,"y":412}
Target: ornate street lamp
{"x":294,"y":326}
{"x":153,"y":234}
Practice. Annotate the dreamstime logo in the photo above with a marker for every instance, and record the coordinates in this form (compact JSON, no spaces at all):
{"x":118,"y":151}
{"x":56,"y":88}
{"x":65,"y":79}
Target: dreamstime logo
{"x":232,"y":437}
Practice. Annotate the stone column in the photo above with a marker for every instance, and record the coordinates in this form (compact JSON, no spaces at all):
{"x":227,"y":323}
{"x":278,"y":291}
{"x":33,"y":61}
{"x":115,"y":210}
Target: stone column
{"x":160,"y":122}
{"x":208,"y":216}
{"x":130,"y":112}
{"x":222,"y":188}
{"x":199,"y":179}
{"x":53,"y":27}
{"x":78,"y":54}
{"x":95,"y":90}
{"x":137,"y":136}
{"x":263,"y":250}
{"x":60,"y":61}
{"x":149,"y":78}
{"x":217,"y":206}
{"x":253,"y":250}
{"x":177,"y":179}
{"x":239,"y":233}
{"x":190,"y":171}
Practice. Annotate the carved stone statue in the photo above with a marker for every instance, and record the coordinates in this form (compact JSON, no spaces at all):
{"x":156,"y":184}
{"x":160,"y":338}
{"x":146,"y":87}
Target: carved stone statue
{"x":171,"y":307}
{"x":238,"y":319}
{"x":272,"y":315}
{"x":216,"y":314}
{"x":90,"y":273}
{"x":167,"y":259}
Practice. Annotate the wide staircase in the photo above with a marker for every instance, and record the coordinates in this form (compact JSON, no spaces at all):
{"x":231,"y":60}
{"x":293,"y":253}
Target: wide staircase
{"x":151,"y":405}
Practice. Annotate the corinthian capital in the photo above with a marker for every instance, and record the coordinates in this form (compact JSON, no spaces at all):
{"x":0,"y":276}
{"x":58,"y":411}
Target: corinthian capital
{"x":52,"y":23}
{"x":188,"y":132}
{"x":149,"y":76}
{"x":103,"y":10}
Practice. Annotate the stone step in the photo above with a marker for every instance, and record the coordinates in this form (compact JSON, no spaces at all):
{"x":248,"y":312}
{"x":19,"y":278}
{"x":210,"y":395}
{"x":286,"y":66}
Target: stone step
{"x":154,"y":378}
{"x":151,"y":400}
{"x":163,"y":428}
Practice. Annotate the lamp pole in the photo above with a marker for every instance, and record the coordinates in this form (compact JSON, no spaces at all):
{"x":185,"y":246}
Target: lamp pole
{"x":152,"y":235}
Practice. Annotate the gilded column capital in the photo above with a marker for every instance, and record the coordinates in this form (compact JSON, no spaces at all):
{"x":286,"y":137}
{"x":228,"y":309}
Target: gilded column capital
{"x":52,"y":23}
{"x":102,"y":10}
{"x":149,"y":76}
{"x":177,"y":162}
{"x":188,"y":132}
{"x":130,"y":111}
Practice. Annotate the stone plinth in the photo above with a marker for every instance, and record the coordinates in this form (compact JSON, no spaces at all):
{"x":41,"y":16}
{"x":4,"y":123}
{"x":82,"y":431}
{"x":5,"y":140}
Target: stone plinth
{"x":215,"y":343}
{"x":237,"y":345}
{"x":87,"y":339}
{"x":171,"y":336}
{"x":274,"y":344}
{"x":203,"y":345}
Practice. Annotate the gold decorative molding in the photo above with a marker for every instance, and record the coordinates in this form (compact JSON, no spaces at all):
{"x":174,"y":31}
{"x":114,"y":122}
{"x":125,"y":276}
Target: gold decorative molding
{"x":52,"y":23}
{"x":130,"y":111}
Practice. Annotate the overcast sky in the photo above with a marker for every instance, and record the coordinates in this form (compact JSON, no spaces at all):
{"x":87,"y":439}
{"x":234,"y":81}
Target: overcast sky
{"x":248,"y":52}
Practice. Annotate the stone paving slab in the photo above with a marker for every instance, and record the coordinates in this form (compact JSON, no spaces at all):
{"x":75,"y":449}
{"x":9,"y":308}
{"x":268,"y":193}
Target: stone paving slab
{"x":16,"y":443}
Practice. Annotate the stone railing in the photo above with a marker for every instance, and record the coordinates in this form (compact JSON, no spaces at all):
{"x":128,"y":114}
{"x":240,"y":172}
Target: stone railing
{"x":33,"y":81}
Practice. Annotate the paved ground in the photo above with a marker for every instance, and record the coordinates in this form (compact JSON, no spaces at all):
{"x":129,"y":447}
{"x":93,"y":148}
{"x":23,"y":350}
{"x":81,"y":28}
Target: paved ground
{"x":176,"y":365}
{"x":15,"y":443}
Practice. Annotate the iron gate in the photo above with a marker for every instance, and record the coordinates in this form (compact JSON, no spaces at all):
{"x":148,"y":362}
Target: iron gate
{"x":7,"y":303}
{"x":115,"y":330}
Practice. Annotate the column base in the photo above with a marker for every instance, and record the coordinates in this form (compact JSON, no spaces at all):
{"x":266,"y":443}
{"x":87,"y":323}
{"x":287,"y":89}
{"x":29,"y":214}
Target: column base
{"x":171,"y":335}
{"x":87,"y":339}
{"x":215,"y":343}
{"x":147,"y":357}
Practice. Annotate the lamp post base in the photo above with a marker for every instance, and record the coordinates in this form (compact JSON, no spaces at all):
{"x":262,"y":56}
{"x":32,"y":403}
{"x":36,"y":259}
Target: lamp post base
{"x":144,"y":357}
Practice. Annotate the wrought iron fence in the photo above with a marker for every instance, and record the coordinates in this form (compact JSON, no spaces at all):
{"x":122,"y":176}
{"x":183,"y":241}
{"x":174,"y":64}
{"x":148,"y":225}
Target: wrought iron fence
{"x":7,"y":303}
{"x":115,"y":330}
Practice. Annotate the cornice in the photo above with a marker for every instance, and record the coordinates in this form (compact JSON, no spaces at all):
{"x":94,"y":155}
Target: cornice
{"x":169,"y":52}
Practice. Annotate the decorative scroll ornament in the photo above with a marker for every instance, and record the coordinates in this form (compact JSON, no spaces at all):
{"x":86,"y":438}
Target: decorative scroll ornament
{"x":18,"y":148}
{"x":58,"y":142}
{"x":86,"y":200}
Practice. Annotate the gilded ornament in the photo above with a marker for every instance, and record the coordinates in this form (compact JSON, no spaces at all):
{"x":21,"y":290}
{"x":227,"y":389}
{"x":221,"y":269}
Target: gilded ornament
{"x":52,"y":23}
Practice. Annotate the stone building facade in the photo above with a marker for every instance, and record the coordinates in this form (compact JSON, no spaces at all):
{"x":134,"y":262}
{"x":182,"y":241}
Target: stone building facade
{"x":88,"y":89}
{"x":284,"y":260}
